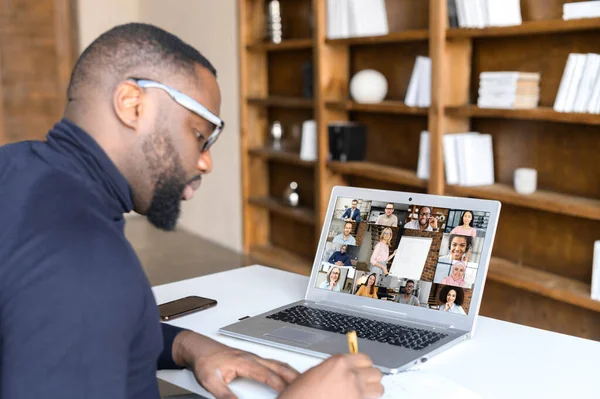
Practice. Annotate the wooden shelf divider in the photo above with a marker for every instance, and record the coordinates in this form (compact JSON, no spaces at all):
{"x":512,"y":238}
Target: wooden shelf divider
{"x":282,"y":101}
{"x":280,"y":258}
{"x":388,"y":107}
{"x":301,"y":214}
{"x":540,"y":282}
{"x":282,"y":156}
{"x":375,"y":171}
{"x":410,"y":35}
{"x":564,"y":204}
{"x":528,"y":28}
{"x":285,"y":45}
{"x":540,"y":114}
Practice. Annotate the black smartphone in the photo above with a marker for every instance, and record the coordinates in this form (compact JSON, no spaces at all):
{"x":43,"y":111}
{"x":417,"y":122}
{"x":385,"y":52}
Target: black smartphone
{"x":184,"y":306}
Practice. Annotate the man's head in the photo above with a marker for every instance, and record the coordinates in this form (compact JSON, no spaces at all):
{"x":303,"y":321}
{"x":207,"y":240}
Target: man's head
{"x":410,"y":285}
{"x":155,"y":135}
{"x":343,"y":249}
{"x":348,"y":228}
{"x":389,"y":209}
{"x":354,"y":204}
{"x":424,"y":215}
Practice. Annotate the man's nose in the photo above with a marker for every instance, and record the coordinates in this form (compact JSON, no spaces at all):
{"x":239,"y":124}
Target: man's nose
{"x":205,"y":163}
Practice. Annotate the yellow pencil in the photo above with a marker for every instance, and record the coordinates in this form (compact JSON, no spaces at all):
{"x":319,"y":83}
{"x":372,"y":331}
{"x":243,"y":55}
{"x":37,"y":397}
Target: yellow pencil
{"x":352,"y":342}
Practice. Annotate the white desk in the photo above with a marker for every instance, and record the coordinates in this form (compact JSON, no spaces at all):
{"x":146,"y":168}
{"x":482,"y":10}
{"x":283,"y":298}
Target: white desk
{"x":503,"y":360}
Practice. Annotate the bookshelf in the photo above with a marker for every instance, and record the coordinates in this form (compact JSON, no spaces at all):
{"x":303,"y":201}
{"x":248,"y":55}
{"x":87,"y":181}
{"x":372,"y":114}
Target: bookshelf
{"x":540,"y":272}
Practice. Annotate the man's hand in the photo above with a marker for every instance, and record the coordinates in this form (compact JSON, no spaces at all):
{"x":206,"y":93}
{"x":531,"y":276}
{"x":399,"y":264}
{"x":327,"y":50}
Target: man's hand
{"x":341,"y":376}
{"x":339,"y":263}
{"x":216,"y":371}
{"x":215,"y":365}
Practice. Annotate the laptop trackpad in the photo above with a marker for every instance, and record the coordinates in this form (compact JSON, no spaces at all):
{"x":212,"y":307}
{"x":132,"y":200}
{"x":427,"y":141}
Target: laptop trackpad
{"x":296,"y":335}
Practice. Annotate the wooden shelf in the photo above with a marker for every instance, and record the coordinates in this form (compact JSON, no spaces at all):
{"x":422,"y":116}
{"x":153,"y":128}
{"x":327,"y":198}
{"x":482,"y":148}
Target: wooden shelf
{"x":281,"y":259}
{"x":528,"y":28}
{"x":301,"y":214}
{"x":282,"y":101}
{"x":394,"y":37}
{"x":285,"y":45}
{"x":543,"y":283}
{"x":540,"y":113}
{"x":378,"y":172}
{"x":388,"y":107}
{"x":543,"y":200}
{"x":283,"y":156}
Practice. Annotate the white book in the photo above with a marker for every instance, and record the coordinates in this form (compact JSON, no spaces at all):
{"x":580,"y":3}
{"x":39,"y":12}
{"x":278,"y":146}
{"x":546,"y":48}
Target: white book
{"x":595,"y":95}
{"x":582,"y":9}
{"x":479,"y":19}
{"x":596,"y":272}
{"x":450,"y":158}
{"x":332,"y":19}
{"x":367,"y":18}
{"x":476,"y":160}
{"x":424,"y":151}
{"x":560,"y":104}
{"x":504,"y":12}
{"x":460,"y":13}
{"x":469,"y":13}
{"x":413,"y":85}
{"x":580,"y":60}
{"x":424,"y":86}
{"x":484,"y":13}
{"x":590,"y":70}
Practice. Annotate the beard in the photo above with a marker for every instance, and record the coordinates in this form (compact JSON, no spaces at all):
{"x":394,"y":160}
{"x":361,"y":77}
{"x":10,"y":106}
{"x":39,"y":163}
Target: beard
{"x":170,"y":180}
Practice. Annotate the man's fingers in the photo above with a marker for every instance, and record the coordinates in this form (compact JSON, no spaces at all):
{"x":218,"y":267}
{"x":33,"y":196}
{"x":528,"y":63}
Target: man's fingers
{"x":255,"y":371}
{"x":370,"y":382}
{"x":360,"y":360}
{"x":288,"y":373}
{"x":214,"y":384}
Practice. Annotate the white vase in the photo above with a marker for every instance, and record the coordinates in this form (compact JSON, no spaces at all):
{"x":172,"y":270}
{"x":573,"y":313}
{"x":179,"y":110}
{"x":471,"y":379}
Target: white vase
{"x":368,"y":86}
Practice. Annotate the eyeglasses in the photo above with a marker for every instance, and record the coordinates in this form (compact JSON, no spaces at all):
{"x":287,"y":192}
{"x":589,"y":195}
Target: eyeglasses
{"x":190,"y":104}
{"x":389,"y":209}
{"x":425,"y":214}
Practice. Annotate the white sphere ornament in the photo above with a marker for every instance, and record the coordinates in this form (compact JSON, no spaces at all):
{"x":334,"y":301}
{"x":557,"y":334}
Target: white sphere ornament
{"x":368,"y":86}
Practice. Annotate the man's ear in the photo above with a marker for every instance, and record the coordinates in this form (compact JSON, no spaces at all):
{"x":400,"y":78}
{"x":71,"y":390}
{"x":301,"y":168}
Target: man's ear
{"x":127,"y":103}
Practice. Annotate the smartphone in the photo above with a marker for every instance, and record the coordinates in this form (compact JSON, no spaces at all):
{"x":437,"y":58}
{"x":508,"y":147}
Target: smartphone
{"x":184,"y":306}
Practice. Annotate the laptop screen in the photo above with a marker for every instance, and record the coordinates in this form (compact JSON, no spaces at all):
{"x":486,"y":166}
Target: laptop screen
{"x":412,"y":254}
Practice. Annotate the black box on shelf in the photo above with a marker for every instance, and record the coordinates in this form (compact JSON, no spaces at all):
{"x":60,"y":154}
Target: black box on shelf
{"x":347,"y":141}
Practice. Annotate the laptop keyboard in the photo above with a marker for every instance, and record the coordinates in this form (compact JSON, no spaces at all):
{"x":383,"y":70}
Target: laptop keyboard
{"x":406,"y":337}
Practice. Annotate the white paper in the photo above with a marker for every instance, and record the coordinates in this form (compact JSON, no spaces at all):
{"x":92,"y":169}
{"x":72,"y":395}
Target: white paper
{"x":421,"y":384}
{"x":411,"y":257}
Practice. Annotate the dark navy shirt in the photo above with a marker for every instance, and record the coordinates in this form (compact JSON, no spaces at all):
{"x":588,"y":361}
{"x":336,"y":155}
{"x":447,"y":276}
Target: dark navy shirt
{"x":77,"y":315}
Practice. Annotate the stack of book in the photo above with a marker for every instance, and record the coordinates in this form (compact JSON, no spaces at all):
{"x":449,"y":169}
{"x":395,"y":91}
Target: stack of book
{"x":579,"y":89}
{"x":509,"y":90}
{"x":468,"y":158}
{"x":355,"y":18}
{"x":418,"y":93}
{"x":483,"y":13}
{"x":582,"y":9}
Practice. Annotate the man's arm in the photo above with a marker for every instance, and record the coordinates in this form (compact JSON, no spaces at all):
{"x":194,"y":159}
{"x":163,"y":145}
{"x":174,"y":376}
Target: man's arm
{"x":67,"y":324}
{"x":165,"y":360}
{"x":358,"y":219}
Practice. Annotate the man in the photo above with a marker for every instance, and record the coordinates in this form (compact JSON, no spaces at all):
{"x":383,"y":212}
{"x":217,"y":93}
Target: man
{"x":408,"y":297}
{"x":388,"y":218}
{"x":345,"y":238}
{"x":425,"y":222}
{"x":352,"y":214}
{"x":340,"y":258}
{"x":77,"y":315}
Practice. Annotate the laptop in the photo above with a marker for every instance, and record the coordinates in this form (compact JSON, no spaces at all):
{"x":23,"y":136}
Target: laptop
{"x":438,"y":255}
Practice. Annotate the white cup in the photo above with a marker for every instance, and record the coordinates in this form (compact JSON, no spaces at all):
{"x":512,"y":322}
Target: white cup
{"x":525,"y":180}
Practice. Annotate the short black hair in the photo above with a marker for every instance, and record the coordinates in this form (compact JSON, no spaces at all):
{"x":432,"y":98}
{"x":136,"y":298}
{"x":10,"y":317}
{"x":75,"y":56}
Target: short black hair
{"x":460,"y":294}
{"x":133,"y":50}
